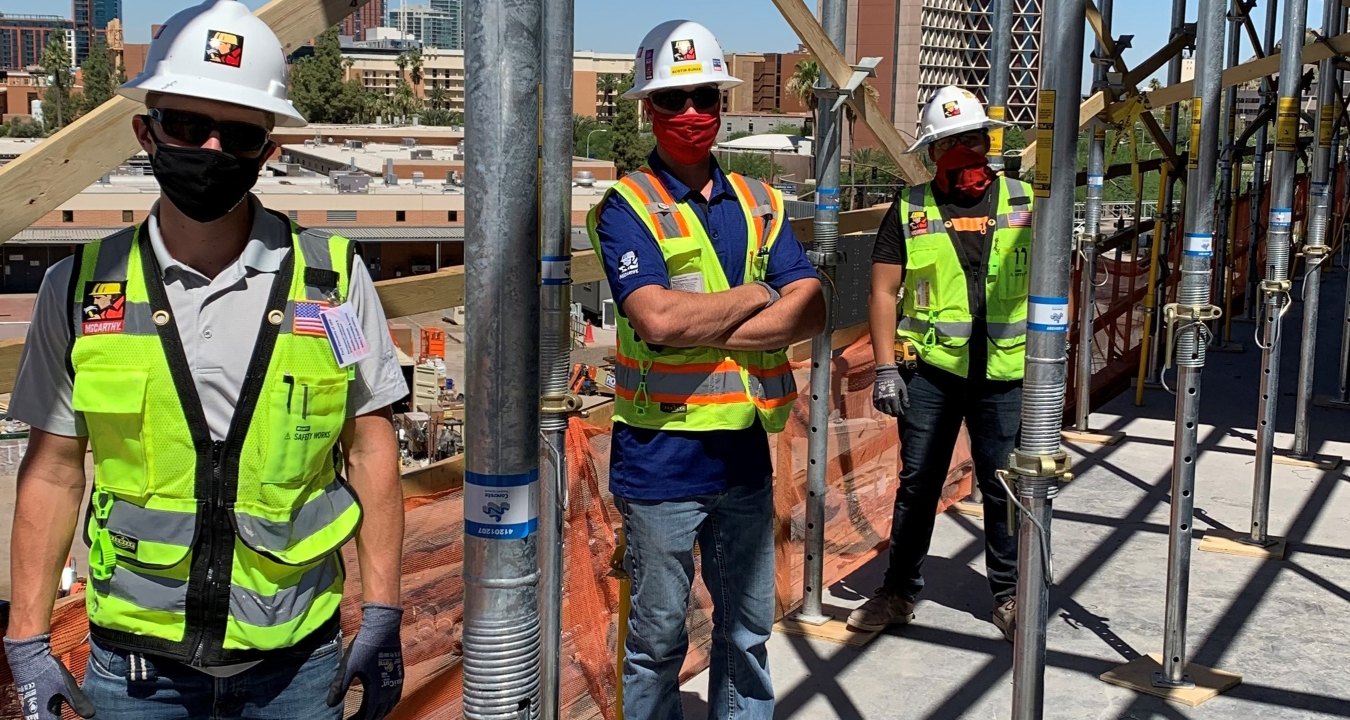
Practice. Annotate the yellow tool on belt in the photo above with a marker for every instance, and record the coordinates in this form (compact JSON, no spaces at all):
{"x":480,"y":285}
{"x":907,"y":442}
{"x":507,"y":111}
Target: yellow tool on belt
{"x":906,"y":355}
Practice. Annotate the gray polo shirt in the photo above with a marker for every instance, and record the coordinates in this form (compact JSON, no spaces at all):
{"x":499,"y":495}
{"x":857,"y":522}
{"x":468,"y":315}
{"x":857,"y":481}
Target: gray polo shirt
{"x":218,"y":319}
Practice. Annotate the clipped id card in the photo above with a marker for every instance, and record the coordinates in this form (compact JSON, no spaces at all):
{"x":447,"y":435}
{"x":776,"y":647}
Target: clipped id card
{"x":344,"y":335}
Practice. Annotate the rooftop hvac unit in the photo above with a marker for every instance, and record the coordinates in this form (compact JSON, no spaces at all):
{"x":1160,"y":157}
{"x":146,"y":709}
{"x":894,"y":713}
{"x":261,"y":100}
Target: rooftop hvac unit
{"x":421,"y":154}
{"x":585,"y":178}
{"x":417,"y":177}
{"x":354,"y":144}
{"x":352,"y":183}
{"x":409,"y":142}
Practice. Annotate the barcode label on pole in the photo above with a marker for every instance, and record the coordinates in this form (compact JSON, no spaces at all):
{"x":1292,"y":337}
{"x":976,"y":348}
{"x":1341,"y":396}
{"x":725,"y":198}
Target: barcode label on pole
{"x":1045,"y":143}
{"x":501,"y":507}
{"x":1286,"y":125}
{"x":1281,"y":218}
{"x":1096,"y":181}
{"x":555,"y":271}
{"x":1048,"y":314}
{"x":1199,"y":245}
{"x":1197,"y":111}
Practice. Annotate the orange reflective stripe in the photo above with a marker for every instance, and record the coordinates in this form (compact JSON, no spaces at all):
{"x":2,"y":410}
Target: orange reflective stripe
{"x":641,"y":192}
{"x":747,"y":196}
{"x":676,"y":368}
{"x":775,"y":403}
{"x":658,"y":204}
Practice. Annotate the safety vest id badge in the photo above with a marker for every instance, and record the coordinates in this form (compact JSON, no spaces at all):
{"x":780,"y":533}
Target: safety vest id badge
{"x":921,"y":294}
{"x":688,"y":282}
{"x":343,"y":329}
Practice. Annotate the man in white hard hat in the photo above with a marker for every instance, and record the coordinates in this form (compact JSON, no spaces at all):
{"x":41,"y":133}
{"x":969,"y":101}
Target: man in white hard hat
{"x":238,"y":411}
{"x":960,"y":248}
{"x":711,"y":287}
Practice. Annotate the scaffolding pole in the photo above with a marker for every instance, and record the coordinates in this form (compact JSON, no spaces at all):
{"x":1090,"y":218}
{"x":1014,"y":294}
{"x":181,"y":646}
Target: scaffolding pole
{"x":1275,"y":288}
{"x":1258,"y":187}
{"x":1091,"y":235}
{"x":825,"y":256}
{"x":1341,"y":399}
{"x":501,"y":462}
{"x":1315,"y":251}
{"x":555,"y":340}
{"x":1040,"y":464}
{"x":1228,"y":158}
{"x":996,"y":98}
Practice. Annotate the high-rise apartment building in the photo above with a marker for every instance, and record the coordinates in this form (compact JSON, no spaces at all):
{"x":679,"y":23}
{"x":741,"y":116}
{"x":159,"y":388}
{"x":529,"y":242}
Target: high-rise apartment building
{"x":91,"y":23}
{"x":765,"y":77}
{"x":439,"y":25}
{"x":370,"y":15}
{"x":926,"y":44}
{"x":22,"y":38}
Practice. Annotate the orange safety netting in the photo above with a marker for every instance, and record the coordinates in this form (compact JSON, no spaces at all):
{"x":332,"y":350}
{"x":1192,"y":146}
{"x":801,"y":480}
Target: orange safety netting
{"x":861,"y":479}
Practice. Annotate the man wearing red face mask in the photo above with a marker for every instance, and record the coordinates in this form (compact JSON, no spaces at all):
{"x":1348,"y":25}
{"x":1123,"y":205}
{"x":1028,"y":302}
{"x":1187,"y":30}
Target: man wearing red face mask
{"x":711,"y":287}
{"x":960,"y":249}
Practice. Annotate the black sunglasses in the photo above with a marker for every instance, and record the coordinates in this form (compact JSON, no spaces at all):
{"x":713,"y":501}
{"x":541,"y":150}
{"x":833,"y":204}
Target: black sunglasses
{"x":705,"y":98}
{"x":194,"y":129}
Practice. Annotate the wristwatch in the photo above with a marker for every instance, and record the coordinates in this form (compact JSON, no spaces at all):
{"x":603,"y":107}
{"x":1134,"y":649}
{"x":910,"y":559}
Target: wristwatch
{"x":773,"y":294}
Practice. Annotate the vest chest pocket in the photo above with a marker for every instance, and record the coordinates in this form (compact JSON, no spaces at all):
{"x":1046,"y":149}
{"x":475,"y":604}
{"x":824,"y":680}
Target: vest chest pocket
{"x":112,"y":401}
{"x":305,"y":417}
{"x":1013,"y":280}
{"x":684,"y":264}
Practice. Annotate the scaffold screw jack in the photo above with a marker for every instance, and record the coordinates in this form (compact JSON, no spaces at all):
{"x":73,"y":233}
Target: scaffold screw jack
{"x":823,"y":259}
{"x":564,"y":404}
{"x":1276,"y":287}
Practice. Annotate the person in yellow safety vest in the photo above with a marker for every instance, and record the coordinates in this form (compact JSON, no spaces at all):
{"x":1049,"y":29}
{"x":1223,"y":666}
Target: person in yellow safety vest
{"x":711,"y":286}
{"x":238,"y":408}
{"x":959,"y":248}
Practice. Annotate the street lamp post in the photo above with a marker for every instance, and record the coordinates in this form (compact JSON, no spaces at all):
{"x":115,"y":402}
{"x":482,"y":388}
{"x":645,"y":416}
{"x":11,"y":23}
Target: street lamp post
{"x":588,"y":139}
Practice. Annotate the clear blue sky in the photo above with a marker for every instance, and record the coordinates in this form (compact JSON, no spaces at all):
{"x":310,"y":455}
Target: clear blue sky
{"x":741,"y":25}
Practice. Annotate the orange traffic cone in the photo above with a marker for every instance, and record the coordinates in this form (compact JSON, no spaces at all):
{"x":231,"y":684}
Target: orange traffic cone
{"x":590,"y":334}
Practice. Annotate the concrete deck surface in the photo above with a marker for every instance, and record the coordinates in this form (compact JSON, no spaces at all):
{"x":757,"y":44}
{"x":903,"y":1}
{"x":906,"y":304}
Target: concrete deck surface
{"x":1282,"y":625}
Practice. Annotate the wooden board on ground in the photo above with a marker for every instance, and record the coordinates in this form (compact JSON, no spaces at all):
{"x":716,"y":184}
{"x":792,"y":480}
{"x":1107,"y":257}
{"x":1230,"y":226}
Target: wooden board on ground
{"x":834,"y":630}
{"x":1137,"y":675}
{"x":969,"y":508}
{"x":1227,"y":542}
{"x":1316,"y":462}
{"x":1092,"y":438}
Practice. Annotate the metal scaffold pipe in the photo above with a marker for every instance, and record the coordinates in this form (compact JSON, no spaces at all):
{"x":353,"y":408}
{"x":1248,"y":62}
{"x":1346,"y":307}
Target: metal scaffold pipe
{"x":1040,"y":463}
{"x":501,"y":478}
{"x":555,"y":339}
{"x":1228,"y":158}
{"x":1342,"y":397}
{"x":1000,"y":74}
{"x":1258,"y":186}
{"x":1188,"y":333}
{"x":825,"y":256}
{"x":1091,"y":236}
{"x":1315,"y":251}
{"x":1275,"y":288}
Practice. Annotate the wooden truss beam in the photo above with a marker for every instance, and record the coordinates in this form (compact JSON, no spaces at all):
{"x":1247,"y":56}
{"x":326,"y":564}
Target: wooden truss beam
{"x":65,"y":164}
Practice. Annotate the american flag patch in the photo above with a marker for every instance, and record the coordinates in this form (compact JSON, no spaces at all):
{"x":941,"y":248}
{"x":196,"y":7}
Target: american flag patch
{"x":309,"y":319}
{"x":1019,"y":219}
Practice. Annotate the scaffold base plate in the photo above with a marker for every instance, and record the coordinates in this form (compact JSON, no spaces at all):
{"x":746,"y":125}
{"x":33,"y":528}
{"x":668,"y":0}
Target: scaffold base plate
{"x":1317,"y":462}
{"x":1137,"y":675}
{"x":1331,"y":401}
{"x":969,"y":508}
{"x":834,"y":630}
{"x":1092,"y":438}
{"x":1231,"y":543}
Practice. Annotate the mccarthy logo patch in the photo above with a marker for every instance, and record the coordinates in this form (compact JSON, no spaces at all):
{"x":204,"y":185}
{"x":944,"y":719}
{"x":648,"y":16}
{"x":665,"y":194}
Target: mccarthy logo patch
{"x":104,"y":309}
{"x":951,"y":109}
{"x":224,"y":48}
{"x":918,"y":222}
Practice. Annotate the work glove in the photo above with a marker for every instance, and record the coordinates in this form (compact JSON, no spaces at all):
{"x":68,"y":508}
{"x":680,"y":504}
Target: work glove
{"x":42,"y":682}
{"x":889,"y":394}
{"x":375,"y":658}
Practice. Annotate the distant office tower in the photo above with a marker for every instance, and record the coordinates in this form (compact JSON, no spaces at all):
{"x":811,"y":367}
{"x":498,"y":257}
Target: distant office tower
{"x":370,"y":15}
{"x":91,"y":23}
{"x":439,"y":26}
{"x":926,"y":44}
{"x":22,"y":38}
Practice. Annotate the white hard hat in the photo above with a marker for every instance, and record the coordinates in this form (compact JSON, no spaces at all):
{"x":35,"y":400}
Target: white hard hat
{"x":952,"y":111}
{"x":218,"y":50}
{"x":676,"y":54}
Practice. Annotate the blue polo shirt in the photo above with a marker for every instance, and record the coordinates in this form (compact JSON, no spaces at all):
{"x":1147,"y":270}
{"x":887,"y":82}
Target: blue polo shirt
{"x":663,"y":464}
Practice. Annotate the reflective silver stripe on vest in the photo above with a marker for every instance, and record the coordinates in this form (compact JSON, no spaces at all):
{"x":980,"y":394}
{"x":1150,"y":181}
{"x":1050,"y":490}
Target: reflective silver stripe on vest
{"x":151,"y":592}
{"x":763,"y":200}
{"x":314,"y":250}
{"x":305,"y":522}
{"x":945,"y":328}
{"x":685,"y":385}
{"x":288,"y":603}
{"x":774,"y":387}
{"x":146,"y":525}
{"x":662,"y":213}
{"x":1007,"y":331}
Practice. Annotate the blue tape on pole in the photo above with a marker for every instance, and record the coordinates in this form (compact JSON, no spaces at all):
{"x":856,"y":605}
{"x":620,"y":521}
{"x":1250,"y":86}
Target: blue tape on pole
{"x":1198,"y":245}
{"x":1281,"y":218}
{"x":1048,"y":314}
{"x":827,"y":199}
{"x":501,"y":507}
{"x":555,"y":270}
{"x":1096,"y":180}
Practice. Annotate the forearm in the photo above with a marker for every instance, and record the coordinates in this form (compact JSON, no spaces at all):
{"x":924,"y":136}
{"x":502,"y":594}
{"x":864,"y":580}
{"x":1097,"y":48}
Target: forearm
{"x":881,"y":321}
{"x":702,"y":319}
{"x":374,"y":474}
{"x":797,"y":316}
{"x":46,"y":510}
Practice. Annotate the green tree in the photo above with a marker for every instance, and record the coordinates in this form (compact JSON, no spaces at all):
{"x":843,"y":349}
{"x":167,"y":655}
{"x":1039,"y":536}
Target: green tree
{"x":57,"y":105}
{"x":755,"y":165}
{"x":630,"y":148}
{"x":317,"y":85}
{"x":788,"y":129}
{"x":1014,"y":138}
{"x":98,"y":76}
{"x":438,"y":97}
{"x":608,"y":84}
{"x":802,"y":84}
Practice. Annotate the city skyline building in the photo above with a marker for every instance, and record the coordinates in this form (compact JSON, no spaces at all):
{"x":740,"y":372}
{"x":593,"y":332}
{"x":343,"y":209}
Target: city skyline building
{"x":22,"y":38}
{"x":370,"y":15}
{"x":91,"y":18}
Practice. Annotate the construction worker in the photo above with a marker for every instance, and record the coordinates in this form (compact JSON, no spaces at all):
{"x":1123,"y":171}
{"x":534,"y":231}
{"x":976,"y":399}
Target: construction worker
{"x":960,"y":248}
{"x":710,"y":286}
{"x":232,"y":431}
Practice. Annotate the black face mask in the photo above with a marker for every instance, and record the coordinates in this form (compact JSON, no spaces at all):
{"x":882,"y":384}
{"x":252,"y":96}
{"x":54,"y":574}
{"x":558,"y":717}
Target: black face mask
{"x":205,"y":184}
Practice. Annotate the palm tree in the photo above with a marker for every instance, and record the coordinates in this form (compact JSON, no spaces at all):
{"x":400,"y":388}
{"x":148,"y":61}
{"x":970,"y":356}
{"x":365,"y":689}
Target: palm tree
{"x":438,"y":97}
{"x":415,"y":65}
{"x":608,"y":84}
{"x":802,"y":84}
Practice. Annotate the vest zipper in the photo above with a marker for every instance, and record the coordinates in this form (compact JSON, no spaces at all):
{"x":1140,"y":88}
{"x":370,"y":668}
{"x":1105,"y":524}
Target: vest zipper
{"x":214,"y":510}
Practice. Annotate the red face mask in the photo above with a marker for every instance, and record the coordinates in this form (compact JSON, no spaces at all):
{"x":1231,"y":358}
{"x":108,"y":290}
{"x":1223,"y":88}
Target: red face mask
{"x":687,"y":138}
{"x":963,"y":170}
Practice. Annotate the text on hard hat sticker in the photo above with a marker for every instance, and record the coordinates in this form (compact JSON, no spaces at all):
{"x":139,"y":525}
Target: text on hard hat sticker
{"x":689,"y":68}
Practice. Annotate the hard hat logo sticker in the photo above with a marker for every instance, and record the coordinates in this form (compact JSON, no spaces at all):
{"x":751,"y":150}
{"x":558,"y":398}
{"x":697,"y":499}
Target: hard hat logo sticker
{"x":649,"y":61}
{"x":951,"y":109}
{"x":104,"y":307}
{"x":224,"y":48}
{"x":683,"y":50}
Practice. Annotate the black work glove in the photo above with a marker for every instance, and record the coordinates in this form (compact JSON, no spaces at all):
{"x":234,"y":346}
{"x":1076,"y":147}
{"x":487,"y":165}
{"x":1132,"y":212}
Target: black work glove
{"x":42,"y":682}
{"x":889,"y":394}
{"x":375,"y":658}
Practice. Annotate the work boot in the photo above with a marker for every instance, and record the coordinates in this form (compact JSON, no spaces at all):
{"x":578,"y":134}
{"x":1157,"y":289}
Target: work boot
{"x":885,"y":608}
{"x":1005,"y":617}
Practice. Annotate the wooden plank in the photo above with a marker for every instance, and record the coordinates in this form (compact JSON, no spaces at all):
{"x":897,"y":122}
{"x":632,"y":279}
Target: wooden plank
{"x":838,"y":69}
{"x":834,"y":630}
{"x":10,"y":350}
{"x":39,"y":181}
{"x":1155,"y":61}
{"x":842,"y":338}
{"x":1228,"y":542}
{"x":1137,"y":675}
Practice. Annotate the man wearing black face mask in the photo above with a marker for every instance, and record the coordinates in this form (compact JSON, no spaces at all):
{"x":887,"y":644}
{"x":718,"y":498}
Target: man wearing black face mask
{"x":233,"y":380}
{"x":960,"y":249}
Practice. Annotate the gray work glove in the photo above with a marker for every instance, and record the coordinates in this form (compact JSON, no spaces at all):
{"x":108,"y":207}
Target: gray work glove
{"x":42,"y":682}
{"x":890,"y":395}
{"x":375,"y":658}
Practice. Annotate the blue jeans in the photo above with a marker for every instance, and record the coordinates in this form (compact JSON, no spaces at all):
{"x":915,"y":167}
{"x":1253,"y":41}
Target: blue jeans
{"x":734,"y":531}
{"x":938,"y":402}
{"x":288,"y":685}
